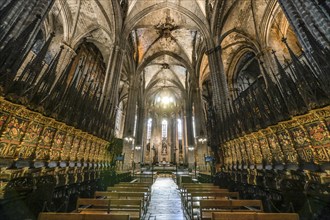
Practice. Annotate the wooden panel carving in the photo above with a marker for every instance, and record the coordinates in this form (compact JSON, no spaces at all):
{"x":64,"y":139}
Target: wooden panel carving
{"x":303,"y":139}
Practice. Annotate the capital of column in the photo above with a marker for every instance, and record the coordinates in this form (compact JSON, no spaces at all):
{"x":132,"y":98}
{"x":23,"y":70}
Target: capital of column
{"x":69,"y":48}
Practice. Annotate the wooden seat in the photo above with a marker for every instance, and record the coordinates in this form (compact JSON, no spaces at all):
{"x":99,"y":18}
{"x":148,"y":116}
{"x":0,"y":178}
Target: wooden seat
{"x":193,"y":200}
{"x":125,"y":195}
{"x":79,"y":216}
{"x":119,"y":195}
{"x":133,"y":184}
{"x":233,"y":216}
{"x":123,"y":206}
{"x":128,"y":189}
{"x":277,"y":216}
{"x":209,"y":206}
{"x":253,"y":216}
{"x":185,"y":195}
{"x":183,"y":185}
{"x":92,"y":204}
{"x":130,"y":207}
{"x":252,"y":205}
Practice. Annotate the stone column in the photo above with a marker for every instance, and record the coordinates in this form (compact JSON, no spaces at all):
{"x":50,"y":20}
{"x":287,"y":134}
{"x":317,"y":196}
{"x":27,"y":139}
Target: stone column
{"x":140,"y":130}
{"x":129,"y":122}
{"x":112,"y":77}
{"x":219,"y":88}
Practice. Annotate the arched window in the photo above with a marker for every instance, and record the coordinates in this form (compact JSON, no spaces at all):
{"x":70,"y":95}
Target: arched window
{"x":164,"y":128}
{"x":179,"y":125}
{"x":247,"y":72}
{"x":149,"y":124}
{"x":88,"y":69}
{"x":119,"y":117}
{"x":194,"y":126}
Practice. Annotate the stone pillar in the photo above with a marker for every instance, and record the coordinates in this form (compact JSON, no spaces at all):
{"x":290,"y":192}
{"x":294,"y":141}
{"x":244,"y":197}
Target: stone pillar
{"x":140,"y":131}
{"x":112,"y":77}
{"x":184,"y":137}
{"x":220,"y":90}
{"x":129,"y":142}
{"x":173,"y":138}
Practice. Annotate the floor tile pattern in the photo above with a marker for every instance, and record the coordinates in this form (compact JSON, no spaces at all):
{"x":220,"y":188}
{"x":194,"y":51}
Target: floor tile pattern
{"x":165,"y":203}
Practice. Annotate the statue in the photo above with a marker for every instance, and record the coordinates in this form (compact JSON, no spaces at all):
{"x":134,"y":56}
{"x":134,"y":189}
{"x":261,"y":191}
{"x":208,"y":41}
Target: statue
{"x":164,"y":148}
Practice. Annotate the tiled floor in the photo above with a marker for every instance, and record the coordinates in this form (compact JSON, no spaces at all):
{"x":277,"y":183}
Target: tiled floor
{"x":165,"y":203}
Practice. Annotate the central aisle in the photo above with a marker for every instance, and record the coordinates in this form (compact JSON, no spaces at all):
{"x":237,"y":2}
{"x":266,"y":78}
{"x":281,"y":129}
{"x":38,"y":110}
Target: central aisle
{"x":165,"y":203}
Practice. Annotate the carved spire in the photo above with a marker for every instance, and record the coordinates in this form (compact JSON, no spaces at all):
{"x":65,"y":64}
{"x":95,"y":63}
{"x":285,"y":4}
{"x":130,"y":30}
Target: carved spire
{"x":293,"y":99}
{"x":275,"y":96}
{"x":15,"y":53}
{"x":307,"y":83}
{"x":46,"y":80}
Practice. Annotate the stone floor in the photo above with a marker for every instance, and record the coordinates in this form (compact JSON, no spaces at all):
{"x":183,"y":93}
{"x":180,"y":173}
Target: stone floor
{"x":165,"y":203}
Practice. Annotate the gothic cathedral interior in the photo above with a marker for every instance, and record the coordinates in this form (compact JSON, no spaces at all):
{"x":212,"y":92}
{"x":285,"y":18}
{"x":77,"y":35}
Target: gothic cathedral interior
{"x":231,"y":93}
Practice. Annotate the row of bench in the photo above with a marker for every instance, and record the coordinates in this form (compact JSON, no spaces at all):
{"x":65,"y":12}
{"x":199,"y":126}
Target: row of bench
{"x":122,"y":201}
{"x":206,"y":201}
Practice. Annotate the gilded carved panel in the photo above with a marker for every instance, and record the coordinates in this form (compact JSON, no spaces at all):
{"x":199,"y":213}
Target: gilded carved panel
{"x":65,"y":154}
{"x":265,"y":150}
{"x":30,"y":140}
{"x":305,"y":137}
{"x":74,"y":148}
{"x":29,"y":135}
{"x":45,"y":143}
{"x":12,"y":136}
{"x":256,"y":150}
{"x":55,"y":153}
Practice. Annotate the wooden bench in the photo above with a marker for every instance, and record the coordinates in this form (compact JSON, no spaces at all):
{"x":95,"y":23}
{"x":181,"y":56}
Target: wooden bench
{"x":187,"y":192}
{"x":134,"y":184}
{"x":209,"y":206}
{"x":145,"y":190}
{"x":93,"y":205}
{"x":125,"y":195}
{"x":79,"y":216}
{"x":196,"y":184}
{"x":184,"y":191}
{"x":131,"y":207}
{"x":193,"y":200}
{"x":253,"y":216}
{"x":128,"y":189}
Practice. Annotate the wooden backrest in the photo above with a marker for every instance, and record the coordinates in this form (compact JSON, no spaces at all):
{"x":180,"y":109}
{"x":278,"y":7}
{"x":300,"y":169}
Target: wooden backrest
{"x":215,"y":194}
{"x":93,"y":203}
{"x":201,"y":187}
{"x":231,"y":204}
{"x":255,"y":205}
{"x":277,"y":216}
{"x":253,"y":216}
{"x":125,"y":203}
{"x":78,"y":216}
{"x":134,"y":184}
{"x":233,"y":216}
{"x":60,"y":216}
{"x":128,"y":189}
{"x":119,"y":195}
{"x":190,"y":190}
{"x":105,"y":217}
{"x":212,"y":204}
{"x":196,"y":184}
